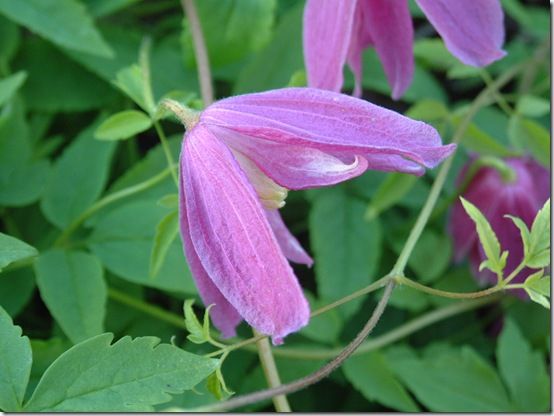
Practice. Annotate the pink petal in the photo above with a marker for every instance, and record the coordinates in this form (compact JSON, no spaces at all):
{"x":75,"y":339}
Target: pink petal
{"x":472,"y":30}
{"x":332,"y":123}
{"x":389,"y":26}
{"x":289,"y":244}
{"x":224,"y":316}
{"x":327,"y":33}
{"x":234,"y":241}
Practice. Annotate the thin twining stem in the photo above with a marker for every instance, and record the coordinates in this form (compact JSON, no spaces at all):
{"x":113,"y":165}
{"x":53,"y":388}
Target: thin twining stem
{"x":314,"y":377}
{"x":167,"y":151}
{"x":200,"y":51}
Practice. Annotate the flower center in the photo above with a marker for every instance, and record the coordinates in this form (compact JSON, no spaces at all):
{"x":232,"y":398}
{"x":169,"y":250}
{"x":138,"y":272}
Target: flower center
{"x":272,"y":196}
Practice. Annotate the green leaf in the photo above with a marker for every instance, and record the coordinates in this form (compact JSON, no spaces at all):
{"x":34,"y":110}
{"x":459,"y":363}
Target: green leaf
{"x":15,"y":364}
{"x":232,"y":28}
{"x":453,"y":380}
{"x":170,"y":201}
{"x":131,"y":81}
{"x":428,"y":110}
{"x":79,"y":177}
{"x":529,"y":136}
{"x":537,"y":287}
{"x":371,"y":375}
{"x":68,"y":24}
{"x":71,"y":284}
{"x":9,"y":85}
{"x":13,"y":250}
{"x":524,"y":234}
{"x":539,"y":239}
{"x":123,"y":125}
{"x":131,"y":375}
{"x":347,"y":248}
{"x":431,"y":256}
{"x":10,"y":38}
{"x":532,"y":106}
{"x":16,"y":290}
{"x":391,"y":190}
{"x":101,"y":8}
{"x":194,"y":327}
{"x":24,"y":184}
{"x":523,"y":370}
{"x":325,"y":327}
{"x":123,"y":240}
{"x":495,"y":261}
{"x":478,"y":140}
{"x":166,"y":232}
{"x":433,"y":54}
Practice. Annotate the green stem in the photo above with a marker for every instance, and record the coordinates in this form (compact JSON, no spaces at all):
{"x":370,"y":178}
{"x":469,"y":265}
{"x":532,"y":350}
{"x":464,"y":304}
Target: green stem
{"x":271,"y":373}
{"x":147,"y":308}
{"x":109,"y":199}
{"x":514,"y":274}
{"x":445,"y":294}
{"x":167,"y":151}
{"x":499,"y":98}
{"x":427,"y":209}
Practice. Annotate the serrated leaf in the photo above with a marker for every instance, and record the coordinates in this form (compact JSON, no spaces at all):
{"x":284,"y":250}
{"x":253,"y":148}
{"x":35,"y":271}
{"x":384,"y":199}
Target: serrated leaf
{"x":166,"y":232}
{"x":216,"y":384}
{"x":9,"y":85}
{"x":524,"y":232}
{"x":15,"y":364}
{"x":13,"y":250}
{"x":193,"y":325}
{"x":487,"y":237}
{"x":123,"y":125}
{"x":68,"y":24}
{"x":539,"y":239}
{"x":131,"y":375}
{"x":523,"y":370}
{"x":390,"y":191}
{"x":71,"y":284}
{"x":538,"y":283}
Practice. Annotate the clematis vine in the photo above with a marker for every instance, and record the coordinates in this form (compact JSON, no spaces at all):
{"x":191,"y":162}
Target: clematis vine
{"x":240,"y":157}
{"x":337,"y":31}
{"x":520,"y":192}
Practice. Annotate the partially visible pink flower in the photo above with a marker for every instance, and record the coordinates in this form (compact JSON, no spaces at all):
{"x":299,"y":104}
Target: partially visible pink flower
{"x":238,"y":163}
{"x":337,"y":31}
{"x":522,"y":198}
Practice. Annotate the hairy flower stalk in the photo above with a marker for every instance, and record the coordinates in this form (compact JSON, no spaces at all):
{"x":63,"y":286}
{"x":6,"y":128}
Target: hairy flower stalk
{"x":238,"y":163}
{"x":337,"y":31}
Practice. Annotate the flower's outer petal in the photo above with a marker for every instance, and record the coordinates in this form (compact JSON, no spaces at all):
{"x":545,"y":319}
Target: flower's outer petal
{"x":472,"y":30}
{"x":289,"y":244}
{"x":292,"y":166}
{"x":389,"y":26}
{"x":234,"y":241}
{"x":224,"y":316}
{"x":327,"y":35}
{"x":335,"y":124}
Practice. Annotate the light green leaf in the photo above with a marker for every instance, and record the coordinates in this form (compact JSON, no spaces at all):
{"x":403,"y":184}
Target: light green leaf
{"x":523,"y":370}
{"x":532,"y":106}
{"x":123,"y":125}
{"x":166,"y":232}
{"x":131,"y":81}
{"x":539,"y":239}
{"x":13,"y":250}
{"x":233,"y":29}
{"x":71,"y":284}
{"x":15,"y":364}
{"x":131,"y":375}
{"x":68,"y":24}
{"x":79,"y":177}
{"x":9,"y":85}
{"x":529,"y":136}
{"x":347,"y":248}
{"x":194,"y":327}
{"x":428,"y":110}
{"x":390,"y":191}
{"x":537,"y":287}
{"x":170,"y":201}
{"x":371,"y":375}
{"x":123,"y":240}
{"x":524,"y":233}
{"x":495,"y":261}
{"x":433,"y":53}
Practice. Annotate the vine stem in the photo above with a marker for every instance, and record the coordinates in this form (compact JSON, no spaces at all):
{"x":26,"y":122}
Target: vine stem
{"x":167,"y":151}
{"x":200,"y":51}
{"x":271,"y":374}
{"x":427,"y":209}
{"x":312,"y":378}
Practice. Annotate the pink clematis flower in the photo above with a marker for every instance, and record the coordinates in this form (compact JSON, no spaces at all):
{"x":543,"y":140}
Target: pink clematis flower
{"x":237,"y":163}
{"x":337,"y":31}
{"x":523,"y":198}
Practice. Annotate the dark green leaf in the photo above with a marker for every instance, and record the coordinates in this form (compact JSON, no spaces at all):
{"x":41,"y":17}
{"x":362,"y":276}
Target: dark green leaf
{"x":131,"y":375}
{"x":123,"y":125}
{"x":13,"y":250}
{"x":391,"y":190}
{"x":9,"y":85}
{"x":431,"y":256}
{"x":16,"y":290}
{"x":529,"y":136}
{"x":68,"y":24}
{"x":15,"y":364}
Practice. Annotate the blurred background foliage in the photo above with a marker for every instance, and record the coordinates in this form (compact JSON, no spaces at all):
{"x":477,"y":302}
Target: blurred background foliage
{"x":66,"y":66}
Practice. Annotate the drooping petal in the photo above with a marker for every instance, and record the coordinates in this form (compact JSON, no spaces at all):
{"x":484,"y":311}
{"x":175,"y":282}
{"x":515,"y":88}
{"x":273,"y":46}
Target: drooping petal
{"x":326,"y":38}
{"x":234,"y":241}
{"x":388,"y":24}
{"x":224,"y":316}
{"x":334,"y":124}
{"x":472,"y":30}
{"x":289,"y":244}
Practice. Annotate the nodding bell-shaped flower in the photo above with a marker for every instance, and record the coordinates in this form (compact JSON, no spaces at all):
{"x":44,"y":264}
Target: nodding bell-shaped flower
{"x":519,"y":192}
{"x":337,"y":31}
{"x":239,"y":159}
